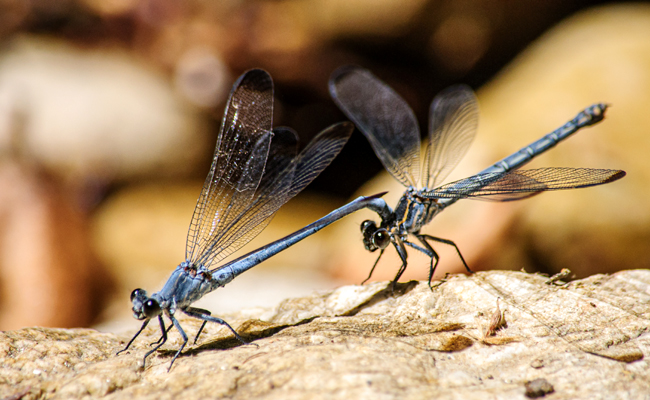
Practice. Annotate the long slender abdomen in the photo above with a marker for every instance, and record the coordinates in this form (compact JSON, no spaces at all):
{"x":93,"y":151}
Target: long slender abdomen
{"x":587,"y":117}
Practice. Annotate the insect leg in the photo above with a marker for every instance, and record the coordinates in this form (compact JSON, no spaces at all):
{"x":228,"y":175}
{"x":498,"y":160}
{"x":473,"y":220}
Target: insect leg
{"x":432,"y":255}
{"x":381,"y":253}
{"x":183,"y":335}
{"x":169,"y":328}
{"x":164,"y":339}
{"x":200,"y":311}
{"x":144,"y":325}
{"x":401,"y":251}
{"x":192,"y":313}
{"x":448,"y":242}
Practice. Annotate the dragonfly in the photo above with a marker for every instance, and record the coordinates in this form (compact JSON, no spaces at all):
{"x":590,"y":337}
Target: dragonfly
{"x":255,"y":170}
{"x":391,"y":127}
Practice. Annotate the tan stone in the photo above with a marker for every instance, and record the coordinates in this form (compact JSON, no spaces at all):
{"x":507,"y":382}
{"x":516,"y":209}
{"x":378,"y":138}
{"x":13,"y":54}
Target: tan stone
{"x":587,"y":339}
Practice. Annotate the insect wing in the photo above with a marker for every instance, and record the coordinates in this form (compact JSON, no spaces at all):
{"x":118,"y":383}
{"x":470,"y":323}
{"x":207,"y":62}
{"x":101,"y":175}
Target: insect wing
{"x":383,"y":117}
{"x":239,"y":160}
{"x":516,"y":185}
{"x":318,"y":154}
{"x":453,"y":120}
{"x":275,"y":192}
{"x":274,"y":185}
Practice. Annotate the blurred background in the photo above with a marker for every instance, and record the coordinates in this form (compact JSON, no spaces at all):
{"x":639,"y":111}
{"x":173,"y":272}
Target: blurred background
{"x":109,"y":112}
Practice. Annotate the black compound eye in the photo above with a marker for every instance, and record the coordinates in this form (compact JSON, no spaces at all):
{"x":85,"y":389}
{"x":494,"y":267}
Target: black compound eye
{"x":381,"y":238}
{"x":151,"y":308}
{"x":368,"y":225}
{"x":135,"y":293}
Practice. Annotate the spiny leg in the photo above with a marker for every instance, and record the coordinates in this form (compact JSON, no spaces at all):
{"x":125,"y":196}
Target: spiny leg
{"x":144,"y":325}
{"x":164,"y":339}
{"x":183,"y":335}
{"x":401,"y":251}
{"x":200,"y":311}
{"x":192,"y":313}
{"x":430,"y":252}
{"x":450,"y":243}
{"x":169,"y":328}
{"x":381,"y":253}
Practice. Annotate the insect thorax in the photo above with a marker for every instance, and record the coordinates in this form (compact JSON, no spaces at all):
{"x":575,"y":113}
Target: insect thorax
{"x":414,"y":211}
{"x":186,"y":284}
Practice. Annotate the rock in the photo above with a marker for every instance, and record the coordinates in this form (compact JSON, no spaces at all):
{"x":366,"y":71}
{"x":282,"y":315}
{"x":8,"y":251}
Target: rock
{"x":538,"y":388}
{"x":202,"y":77}
{"x":48,"y":274}
{"x":587,"y":339}
{"x":600,"y":55}
{"x":95,"y":114}
{"x":72,"y":120}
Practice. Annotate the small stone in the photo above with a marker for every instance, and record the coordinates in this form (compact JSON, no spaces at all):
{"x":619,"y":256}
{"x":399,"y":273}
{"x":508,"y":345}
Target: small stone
{"x":538,"y":388}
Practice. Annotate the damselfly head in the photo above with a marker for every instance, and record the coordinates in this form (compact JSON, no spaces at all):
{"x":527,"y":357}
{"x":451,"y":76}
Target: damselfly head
{"x":151,"y":308}
{"x":373,"y":237}
{"x":381,"y":238}
{"x":144,"y":307}
{"x":138,"y":293}
{"x":367,"y":225}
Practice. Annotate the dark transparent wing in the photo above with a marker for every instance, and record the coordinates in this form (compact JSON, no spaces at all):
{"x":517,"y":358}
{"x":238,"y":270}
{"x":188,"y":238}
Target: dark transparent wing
{"x":275,"y":192}
{"x":453,"y":120}
{"x":318,"y":154}
{"x":250,"y":221}
{"x":239,"y":160}
{"x":383,"y":117}
{"x":283,"y":151}
{"x":516,"y":185}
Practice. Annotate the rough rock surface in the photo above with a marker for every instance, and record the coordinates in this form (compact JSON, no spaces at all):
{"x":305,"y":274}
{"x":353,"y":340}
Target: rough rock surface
{"x":586,"y":339}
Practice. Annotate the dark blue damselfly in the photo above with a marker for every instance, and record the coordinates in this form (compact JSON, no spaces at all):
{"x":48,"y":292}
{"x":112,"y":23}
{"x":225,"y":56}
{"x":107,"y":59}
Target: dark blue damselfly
{"x":390,"y":126}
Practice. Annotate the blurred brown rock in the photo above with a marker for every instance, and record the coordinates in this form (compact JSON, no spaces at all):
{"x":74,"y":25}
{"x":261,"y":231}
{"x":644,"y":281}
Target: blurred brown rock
{"x":95,"y":114}
{"x":48,"y":275}
{"x":81,"y":119}
{"x":600,"y":55}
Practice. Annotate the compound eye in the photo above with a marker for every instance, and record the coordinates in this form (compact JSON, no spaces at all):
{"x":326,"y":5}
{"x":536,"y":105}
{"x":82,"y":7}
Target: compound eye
{"x":368,"y":225}
{"x":137,"y":293}
{"x":381,"y":238}
{"x":151,"y":308}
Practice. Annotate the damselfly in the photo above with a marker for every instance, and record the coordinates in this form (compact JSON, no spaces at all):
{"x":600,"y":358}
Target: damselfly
{"x":255,"y":170}
{"x":390,"y":126}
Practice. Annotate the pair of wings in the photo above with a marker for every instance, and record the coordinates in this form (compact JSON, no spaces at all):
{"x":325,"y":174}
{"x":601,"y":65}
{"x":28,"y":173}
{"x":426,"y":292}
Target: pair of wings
{"x":255,"y":170}
{"x":390,"y":126}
